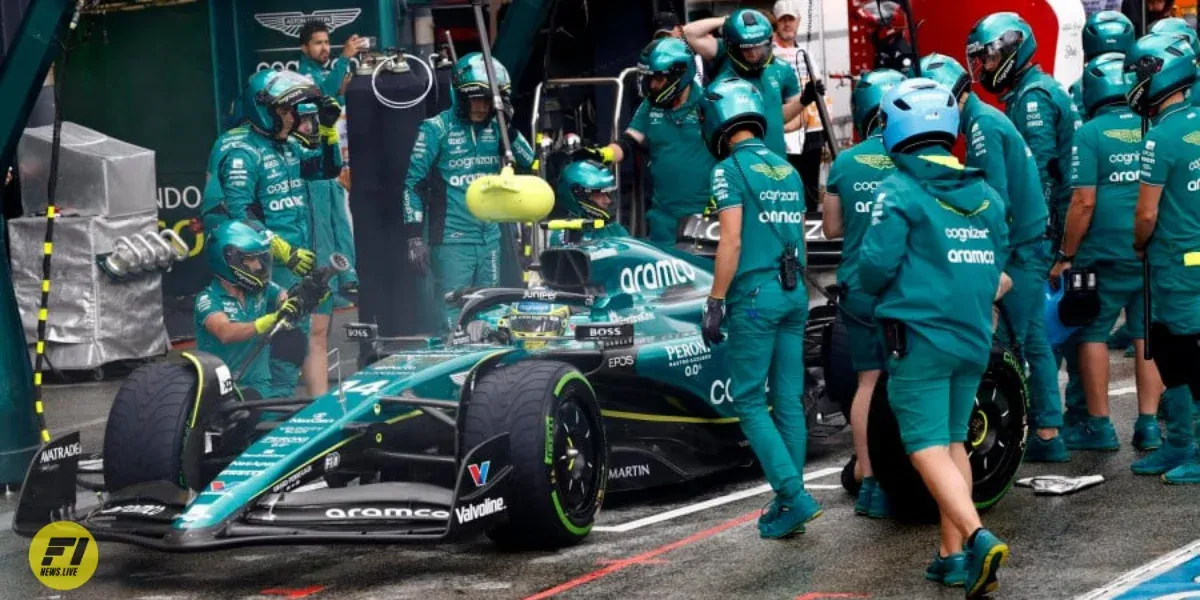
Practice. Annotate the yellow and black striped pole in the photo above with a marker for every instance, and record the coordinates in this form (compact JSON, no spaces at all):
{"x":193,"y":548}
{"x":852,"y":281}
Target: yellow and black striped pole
{"x":43,"y":311}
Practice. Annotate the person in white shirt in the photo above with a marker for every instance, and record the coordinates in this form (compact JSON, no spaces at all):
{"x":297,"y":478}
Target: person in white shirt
{"x":805,"y":135}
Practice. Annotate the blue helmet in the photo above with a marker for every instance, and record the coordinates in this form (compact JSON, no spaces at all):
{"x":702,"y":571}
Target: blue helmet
{"x":1104,"y":82}
{"x":999,"y":48}
{"x":241,"y":254}
{"x":268,"y":91}
{"x":577,"y":184}
{"x":747,"y":36}
{"x":672,"y":59}
{"x":1056,"y":332}
{"x":917,"y":113}
{"x":867,"y":94}
{"x":1107,"y":31}
{"x":727,"y":105}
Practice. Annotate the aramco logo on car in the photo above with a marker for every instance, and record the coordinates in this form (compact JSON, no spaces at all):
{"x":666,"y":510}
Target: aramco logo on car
{"x":656,"y":275}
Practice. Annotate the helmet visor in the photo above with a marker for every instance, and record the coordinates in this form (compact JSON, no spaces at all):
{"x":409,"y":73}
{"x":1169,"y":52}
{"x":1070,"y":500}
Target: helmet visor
{"x":307,"y":125}
{"x":992,"y":62}
{"x":525,"y":325}
{"x":753,"y":56}
{"x":251,"y":270}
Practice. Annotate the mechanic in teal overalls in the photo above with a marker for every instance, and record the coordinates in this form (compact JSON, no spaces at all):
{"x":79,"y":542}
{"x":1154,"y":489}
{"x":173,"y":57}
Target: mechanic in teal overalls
{"x":241,"y":304}
{"x":453,"y":149}
{"x":1104,"y":172}
{"x":1179,"y":27}
{"x":745,"y":50}
{"x":327,"y":198}
{"x":1106,"y":31}
{"x":666,"y":127}
{"x":758,"y":275}
{"x":935,"y":254}
{"x":256,"y":172}
{"x":849,"y":194}
{"x":584,"y":193}
{"x":1000,"y":52}
{"x":1167,"y":234}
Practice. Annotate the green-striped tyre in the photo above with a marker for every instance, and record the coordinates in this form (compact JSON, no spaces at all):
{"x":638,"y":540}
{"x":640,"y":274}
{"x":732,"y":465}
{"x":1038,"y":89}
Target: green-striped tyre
{"x":558,"y":450}
{"x":995,"y":443}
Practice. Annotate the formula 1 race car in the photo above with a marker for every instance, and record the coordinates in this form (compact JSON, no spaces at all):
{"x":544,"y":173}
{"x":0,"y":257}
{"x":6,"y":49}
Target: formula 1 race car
{"x":545,"y":400}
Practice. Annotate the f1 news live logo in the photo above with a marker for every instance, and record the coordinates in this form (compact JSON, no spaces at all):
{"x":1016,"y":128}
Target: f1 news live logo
{"x":63,"y":555}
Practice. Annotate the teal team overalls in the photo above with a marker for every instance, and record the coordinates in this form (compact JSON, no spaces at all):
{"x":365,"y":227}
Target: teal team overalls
{"x":934,"y":258}
{"x":678,"y":162}
{"x":766,"y":323}
{"x":330,"y":219}
{"x":854,"y":178}
{"x":213,"y":299}
{"x":777,"y":83}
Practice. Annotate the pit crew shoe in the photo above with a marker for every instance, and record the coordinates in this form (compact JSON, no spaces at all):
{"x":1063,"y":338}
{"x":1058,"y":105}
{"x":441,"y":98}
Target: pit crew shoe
{"x":1038,"y":450}
{"x":950,"y":571}
{"x":986,"y":553}
{"x":879,"y":507}
{"x":1185,"y":474}
{"x":771,"y":512}
{"x":1095,"y":434}
{"x":1146,"y":433}
{"x":794,"y":512}
{"x":869,"y":486}
{"x":1164,"y":459}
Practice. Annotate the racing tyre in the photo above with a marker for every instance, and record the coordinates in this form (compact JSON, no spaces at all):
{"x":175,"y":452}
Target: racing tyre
{"x":148,"y":428}
{"x":995,"y":443}
{"x":841,"y":382}
{"x":558,"y":450}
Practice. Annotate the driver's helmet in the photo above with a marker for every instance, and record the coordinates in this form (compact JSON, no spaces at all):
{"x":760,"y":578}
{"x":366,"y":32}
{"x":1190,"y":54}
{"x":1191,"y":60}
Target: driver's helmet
{"x":1108,"y":31}
{"x":579,"y":185}
{"x":672,"y":59}
{"x":1156,"y":67}
{"x":269,"y":90}
{"x":534,"y":322}
{"x":868,"y":93}
{"x":1175,"y":26}
{"x":999,"y":48}
{"x":470,"y":82}
{"x":747,"y":36}
{"x":728,"y":105}
{"x":241,"y":254}
{"x":1104,"y":82}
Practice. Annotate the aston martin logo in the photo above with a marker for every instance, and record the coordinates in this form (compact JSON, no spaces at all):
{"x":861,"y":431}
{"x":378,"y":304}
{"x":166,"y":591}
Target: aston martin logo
{"x":289,"y":23}
{"x":776,"y":173}
{"x":1192,"y":138}
{"x":876,"y":161}
{"x":1128,"y":136}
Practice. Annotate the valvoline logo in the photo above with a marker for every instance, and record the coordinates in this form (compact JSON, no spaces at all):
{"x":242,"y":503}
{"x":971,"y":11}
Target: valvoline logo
{"x":479,"y":472}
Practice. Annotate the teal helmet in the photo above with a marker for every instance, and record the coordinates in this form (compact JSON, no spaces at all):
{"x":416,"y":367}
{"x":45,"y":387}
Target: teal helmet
{"x":470,"y":82}
{"x":672,"y":60}
{"x":1177,"y":27}
{"x":999,"y":48}
{"x":728,"y":105}
{"x":1104,"y":82}
{"x":577,"y":185}
{"x":1155,"y":68}
{"x":747,"y":36}
{"x":947,"y":72}
{"x":241,"y":254}
{"x":917,"y":113}
{"x":1107,"y":31}
{"x":868,"y":94}
{"x":269,"y":91}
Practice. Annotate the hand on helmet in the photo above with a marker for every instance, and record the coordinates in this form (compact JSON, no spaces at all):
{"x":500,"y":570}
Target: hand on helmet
{"x":714,"y":314}
{"x":602,"y":154}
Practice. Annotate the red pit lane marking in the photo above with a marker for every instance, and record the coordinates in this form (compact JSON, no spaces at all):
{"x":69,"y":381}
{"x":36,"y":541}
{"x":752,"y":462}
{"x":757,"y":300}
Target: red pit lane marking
{"x":653,"y":561}
{"x":296,"y":593}
{"x":824,"y":596}
{"x":645,"y":557}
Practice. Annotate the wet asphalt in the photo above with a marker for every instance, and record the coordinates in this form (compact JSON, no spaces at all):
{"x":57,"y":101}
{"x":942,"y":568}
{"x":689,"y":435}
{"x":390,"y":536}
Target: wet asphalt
{"x":1062,"y":546}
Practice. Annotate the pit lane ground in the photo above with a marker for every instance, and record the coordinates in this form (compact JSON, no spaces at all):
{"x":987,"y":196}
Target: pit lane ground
{"x":694,"y":541}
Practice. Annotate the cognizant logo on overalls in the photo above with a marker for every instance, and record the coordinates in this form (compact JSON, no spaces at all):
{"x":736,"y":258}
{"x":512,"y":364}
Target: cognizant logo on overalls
{"x":656,"y":275}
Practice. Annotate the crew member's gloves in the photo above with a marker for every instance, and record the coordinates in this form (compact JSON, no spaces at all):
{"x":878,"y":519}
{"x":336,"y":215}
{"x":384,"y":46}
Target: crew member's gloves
{"x":298,"y":260}
{"x":710,"y":327}
{"x":418,"y":255}
{"x":477,"y":331}
{"x":288,"y":310}
{"x":602,"y":154}
{"x":329,"y":111}
{"x":813,"y":91}
{"x":349,"y":291}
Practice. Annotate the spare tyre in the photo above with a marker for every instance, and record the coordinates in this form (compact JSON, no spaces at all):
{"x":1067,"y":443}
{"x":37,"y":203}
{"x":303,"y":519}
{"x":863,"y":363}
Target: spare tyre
{"x":841,"y":381}
{"x":995,"y":443}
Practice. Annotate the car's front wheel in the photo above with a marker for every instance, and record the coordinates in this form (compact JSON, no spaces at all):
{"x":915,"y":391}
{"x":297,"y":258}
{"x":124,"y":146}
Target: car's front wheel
{"x":558,"y":450}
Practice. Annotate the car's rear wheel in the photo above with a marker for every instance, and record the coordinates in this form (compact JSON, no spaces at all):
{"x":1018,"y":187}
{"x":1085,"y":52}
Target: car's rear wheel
{"x":147,"y":436}
{"x":995,"y":443}
{"x":558,"y":450}
{"x":841,"y":382}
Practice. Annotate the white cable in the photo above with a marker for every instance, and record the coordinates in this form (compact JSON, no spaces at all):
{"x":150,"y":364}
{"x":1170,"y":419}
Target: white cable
{"x":402,"y":105}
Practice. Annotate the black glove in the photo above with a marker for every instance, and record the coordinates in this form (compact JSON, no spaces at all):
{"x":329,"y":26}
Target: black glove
{"x":418,"y":255}
{"x":813,"y":91}
{"x":710,"y":327}
{"x":329,"y":111}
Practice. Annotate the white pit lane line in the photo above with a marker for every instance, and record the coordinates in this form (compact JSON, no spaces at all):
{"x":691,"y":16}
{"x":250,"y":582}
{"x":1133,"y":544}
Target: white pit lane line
{"x":1145,"y":573}
{"x":707,"y":504}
